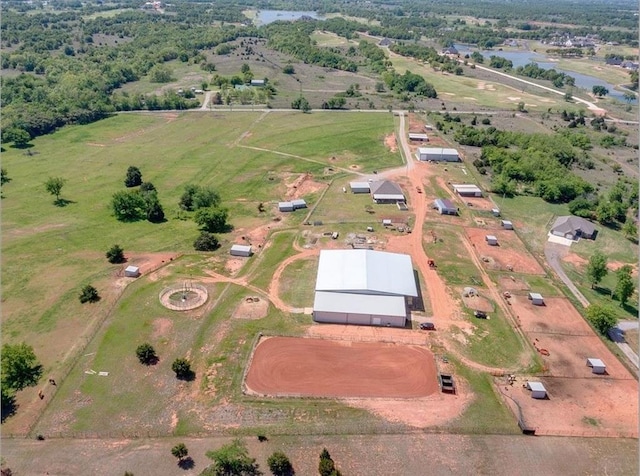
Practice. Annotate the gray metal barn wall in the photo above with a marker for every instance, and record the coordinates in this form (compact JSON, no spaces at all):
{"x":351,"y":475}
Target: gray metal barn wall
{"x":358,"y":319}
{"x":333,"y":317}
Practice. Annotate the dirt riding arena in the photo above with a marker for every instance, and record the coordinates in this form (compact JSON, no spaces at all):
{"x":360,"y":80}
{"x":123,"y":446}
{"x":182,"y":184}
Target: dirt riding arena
{"x":510,"y":252}
{"x":290,"y":366}
{"x":580,"y":402}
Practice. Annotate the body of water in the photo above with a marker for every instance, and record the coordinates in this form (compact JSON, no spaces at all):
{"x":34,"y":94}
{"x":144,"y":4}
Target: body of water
{"x":265,"y":17}
{"x":522,"y":58}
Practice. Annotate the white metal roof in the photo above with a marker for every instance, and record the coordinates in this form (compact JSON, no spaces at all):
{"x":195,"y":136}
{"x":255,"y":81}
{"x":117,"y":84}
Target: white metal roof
{"x":491,"y":238}
{"x":359,"y":185}
{"x":360,"y":304}
{"x":535,"y":295}
{"x":437,"y":150}
{"x":366,"y":271}
{"x":595,"y":362}
{"x":245,"y":248}
{"x":536,"y":386}
{"x":299,"y":202}
{"x":418,"y":135}
{"x":285,"y":204}
{"x":132,"y":269}
{"x":465,"y":186}
{"x":506,"y":222}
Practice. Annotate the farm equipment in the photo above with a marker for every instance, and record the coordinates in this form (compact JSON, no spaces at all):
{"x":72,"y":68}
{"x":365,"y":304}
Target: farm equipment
{"x":432,"y":264}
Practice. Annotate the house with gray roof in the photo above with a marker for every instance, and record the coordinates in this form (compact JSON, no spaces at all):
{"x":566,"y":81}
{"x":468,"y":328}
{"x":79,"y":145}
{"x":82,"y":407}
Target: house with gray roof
{"x":573,"y":228}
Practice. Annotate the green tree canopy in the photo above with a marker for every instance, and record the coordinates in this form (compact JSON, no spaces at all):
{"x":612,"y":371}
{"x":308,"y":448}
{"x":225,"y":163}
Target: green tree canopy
{"x":133,"y":178}
{"x":279,"y":464}
{"x":596,"y":268}
{"x":20,"y":367}
{"x":54,"y":185}
{"x":180,"y":451}
{"x":146,"y":354}
{"x":197,"y":196}
{"x":232,"y":460}
{"x":603,"y":318}
{"x":625,"y":285}
{"x":212,"y":219}
{"x":206,"y":242}
{"x":182,"y":368}
{"x":115,"y":255}
{"x":128,"y":205}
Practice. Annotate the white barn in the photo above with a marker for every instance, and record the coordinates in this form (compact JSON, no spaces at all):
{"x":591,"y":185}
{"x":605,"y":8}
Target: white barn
{"x":360,"y":187}
{"x":418,"y":136}
{"x":506,"y":224}
{"x":299,"y":203}
{"x":363,"y":287}
{"x":240,"y":250}
{"x":438,"y":154}
{"x":285,"y":206}
{"x":467,"y":190}
{"x":491,"y":240}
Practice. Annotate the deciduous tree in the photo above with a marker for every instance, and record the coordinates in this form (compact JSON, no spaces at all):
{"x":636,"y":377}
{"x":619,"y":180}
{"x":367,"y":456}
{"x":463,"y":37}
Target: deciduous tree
{"x":54,"y":185}
{"x":212,"y":219}
{"x":625,"y":285}
{"x":180,"y":451}
{"x":89,"y":294}
{"x":596,"y":268}
{"x":206,"y":242}
{"x":603,"y":318}
{"x":182,"y":368}
{"x":232,"y":460}
{"x":20,"y":367}
{"x":115,"y":255}
{"x":128,"y":205}
{"x":279,"y":464}
{"x":133,"y":178}
{"x":146,"y":354}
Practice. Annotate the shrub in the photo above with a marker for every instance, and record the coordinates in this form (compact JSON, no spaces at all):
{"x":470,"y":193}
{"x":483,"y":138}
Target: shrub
{"x":89,"y":294}
{"x":206,"y":242}
{"x":182,"y":368}
{"x":115,"y":255}
{"x":146,"y":354}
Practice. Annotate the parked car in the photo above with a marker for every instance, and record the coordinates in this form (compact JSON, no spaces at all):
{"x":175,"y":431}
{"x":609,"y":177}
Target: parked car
{"x":427,"y":326}
{"x":480,"y":314}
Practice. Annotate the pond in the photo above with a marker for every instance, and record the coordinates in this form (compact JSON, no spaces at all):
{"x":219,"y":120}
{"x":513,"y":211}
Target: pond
{"x":264,"y":17}
{"x":522,"y":58}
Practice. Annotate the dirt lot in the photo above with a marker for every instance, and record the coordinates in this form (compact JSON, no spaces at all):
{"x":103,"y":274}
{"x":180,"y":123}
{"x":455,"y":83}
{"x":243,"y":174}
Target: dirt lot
{"x":319,"y":367}
{"x":580,"y":402}
{"x":478,"y":203}
{"x":252,"y":307}
{"x":509,"y":252}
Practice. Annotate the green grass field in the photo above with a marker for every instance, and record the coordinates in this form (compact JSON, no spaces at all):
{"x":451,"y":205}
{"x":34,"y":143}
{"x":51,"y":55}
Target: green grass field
{"x":297,"y":283}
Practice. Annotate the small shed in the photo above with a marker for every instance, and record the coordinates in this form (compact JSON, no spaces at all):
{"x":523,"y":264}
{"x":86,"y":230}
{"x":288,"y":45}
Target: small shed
{"x":257,"y":82}
{"x":467,"y":190}
{"x":241,"y":250}
{"x":491,"y":240}
{"x":285,"y":206}
{"x":438,"y":154}
{"x":495,"y":212}
{"x":537,"y":390}
{"x":297,"y":204}
{"x":506,"y":224}
{"x":445,"y":207}
{"x":360,"y":187}
{"x":536,"y":299}
{"x":386,"y":222}
{"x":132,"y":271}
{"x":597,"y":366}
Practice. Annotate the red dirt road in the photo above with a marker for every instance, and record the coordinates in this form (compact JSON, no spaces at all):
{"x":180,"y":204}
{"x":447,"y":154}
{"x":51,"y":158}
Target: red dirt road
{"x":322,"y":368}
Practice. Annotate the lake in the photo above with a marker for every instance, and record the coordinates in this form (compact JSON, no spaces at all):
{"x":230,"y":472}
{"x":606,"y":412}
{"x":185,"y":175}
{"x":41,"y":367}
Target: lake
{"x":522,"y":58}
{"x":264,"y":17}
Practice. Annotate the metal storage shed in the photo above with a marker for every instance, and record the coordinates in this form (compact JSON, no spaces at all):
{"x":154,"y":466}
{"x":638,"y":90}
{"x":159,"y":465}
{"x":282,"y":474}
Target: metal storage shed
{"x":536,"y":299}
{"x":240,"y":250}
{"x":438,"y":154}
{"x":597,"y":366}
{"x":495,"y":212}
{"x":418,"y":136}
{"x":359,"y":309}
{"x":132,"y":271}
{"x":387,"y":222}
{"x":285,"y":206}
{"x":298,"y":204}
{"x":537,"y":390}
{"x":445,"y":207}
{"x":491,"y":240}
{"x":506,"y":224}
{"x":467,"y":190}
{"x":360,"y":187}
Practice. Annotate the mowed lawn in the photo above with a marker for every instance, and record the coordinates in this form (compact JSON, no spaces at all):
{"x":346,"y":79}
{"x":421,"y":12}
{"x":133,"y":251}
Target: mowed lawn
{"x":50,"y":252}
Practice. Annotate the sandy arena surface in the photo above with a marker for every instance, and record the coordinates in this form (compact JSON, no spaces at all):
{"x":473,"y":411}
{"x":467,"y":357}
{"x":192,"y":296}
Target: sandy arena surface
{"x":509,"y":252}
{"x":324,"y":368}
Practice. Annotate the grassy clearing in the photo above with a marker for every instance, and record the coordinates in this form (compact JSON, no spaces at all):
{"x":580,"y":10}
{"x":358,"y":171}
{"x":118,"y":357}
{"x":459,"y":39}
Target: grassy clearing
{"x":326,"y":39}
{"x":185,"y":76}
{"x":281,"y":247}
{"x":453,"y":260}
{"x":610,"y":242}
{"x":297,"y":283}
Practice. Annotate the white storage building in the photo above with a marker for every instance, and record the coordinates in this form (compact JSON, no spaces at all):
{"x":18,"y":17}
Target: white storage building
{"x":240,"y":250}
{"x":537,"y":390}
{"x":418,"y":136}
{"x":467,"y":190}
{"x":363,"y":287}
{"x":438,"y":154}
{"x":491,"y":240}
{"x":360,"y":187}
{"x":285,"y":206}
{"x":445,"y":207}
{"x":536,"y":299}
{"x":132,"y":271}
{"x":297,"y":204}
{"x":506,"y":224}
{"x":597,"y":366}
